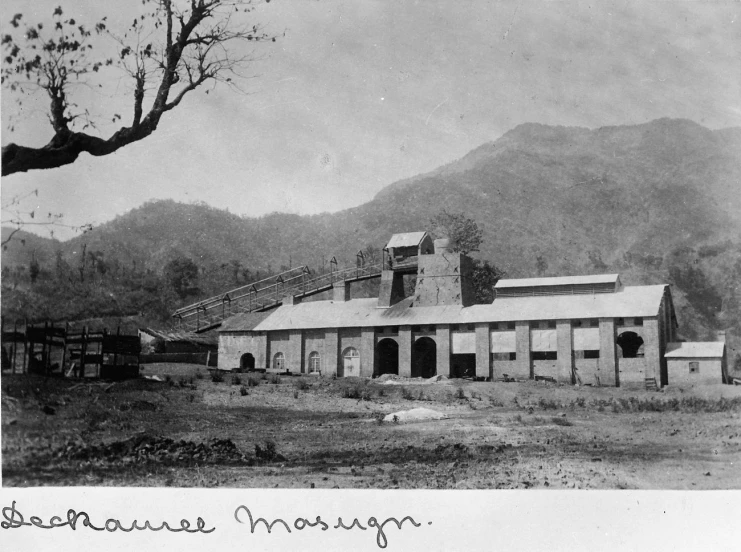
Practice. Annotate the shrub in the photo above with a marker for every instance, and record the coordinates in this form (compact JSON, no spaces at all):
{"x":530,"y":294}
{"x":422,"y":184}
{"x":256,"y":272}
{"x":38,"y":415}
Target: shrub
{"x":199,"y":374}
{"x":351,"y":392}
{"x":274,"y":379}
{"x":422,"y":396}
{"x":546,"y":404}
{"x":495,"y":402}
{"x":253,"y":382}
{"x":302,"y":385}
{"x":406,"y":394}
{"x":474,"y":395}
{"x":168,"y":378}
{"x":268,"y":454}
{"x":236,"y":380}
{"x":381,"y":392}
{"x":379,"y":416}
{"x":295,"y":394}
{"x":365,"y":395}
{"x":561,"y":421}
{"x":460,"y":394}
{"x":243,"y":391}
{"x":217,"y":376}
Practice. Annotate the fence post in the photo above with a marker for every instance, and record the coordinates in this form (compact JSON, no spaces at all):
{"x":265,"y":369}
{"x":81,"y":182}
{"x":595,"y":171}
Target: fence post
{"x":25,"y":344}
{"x":83,"y":351}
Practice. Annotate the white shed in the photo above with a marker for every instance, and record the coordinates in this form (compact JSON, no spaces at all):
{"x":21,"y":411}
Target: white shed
{"x":696,"y":362}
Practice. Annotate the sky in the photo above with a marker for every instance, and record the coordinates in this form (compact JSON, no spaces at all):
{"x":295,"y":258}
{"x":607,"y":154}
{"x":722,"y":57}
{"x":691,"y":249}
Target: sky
{"x":355,"y":95}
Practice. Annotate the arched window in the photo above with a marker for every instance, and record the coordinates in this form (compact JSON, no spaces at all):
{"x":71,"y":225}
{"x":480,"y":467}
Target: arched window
{"x":279,"y":361}
{"x":315,"y":362}
{"x":351,"y":362}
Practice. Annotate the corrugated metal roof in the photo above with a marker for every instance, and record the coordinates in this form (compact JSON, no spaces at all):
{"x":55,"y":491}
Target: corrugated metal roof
{"x":244,"y":321}
{"x":695,"y":349}
{"x":187,"y":337}
{"x":630,"y":302}
{"x":408,"y":239}
{"x":558,"y":281}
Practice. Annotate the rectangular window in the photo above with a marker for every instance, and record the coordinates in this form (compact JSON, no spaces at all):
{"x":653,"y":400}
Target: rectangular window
{"x":620,"y":321}
{"x":470,"y":327}
{"x":394,"y":329}
{"x":545,"y":355}
{"x":576,"y":323}
{"x":416,"y":328}
{"x":504,"y":356}
{"x":454,"y":327}
{"x":593,"y":353}
{"x":638,"y":321}
{"x":510,"y":325}
{"x":552,"y":324}
{"x":594,"y":323}
{"x":694,"y":367}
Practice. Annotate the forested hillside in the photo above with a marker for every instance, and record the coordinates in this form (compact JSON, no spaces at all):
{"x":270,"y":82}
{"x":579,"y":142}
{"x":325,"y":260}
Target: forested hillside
{"x":658,"y":202}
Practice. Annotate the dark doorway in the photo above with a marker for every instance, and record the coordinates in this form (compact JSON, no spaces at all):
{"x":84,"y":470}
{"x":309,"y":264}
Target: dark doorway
{"x":463,"y":365}
{"x":388,"y":357}
{"x":247,"y":362}
{"x":630,"y":342}
{"x":424,"y":358}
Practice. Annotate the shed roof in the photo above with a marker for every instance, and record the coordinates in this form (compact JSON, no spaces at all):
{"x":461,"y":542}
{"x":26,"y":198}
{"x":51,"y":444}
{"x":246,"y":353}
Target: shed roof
{"x":244,"y":321}
{"x":558,"y":281}
{"x":695,"y":349}
{"x":630,"y":302}
{"x":408,"y":239}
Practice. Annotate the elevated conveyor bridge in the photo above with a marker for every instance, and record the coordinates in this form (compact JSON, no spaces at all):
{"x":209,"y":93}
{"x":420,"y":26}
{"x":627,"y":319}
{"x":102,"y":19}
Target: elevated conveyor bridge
{"x":268,"y":293}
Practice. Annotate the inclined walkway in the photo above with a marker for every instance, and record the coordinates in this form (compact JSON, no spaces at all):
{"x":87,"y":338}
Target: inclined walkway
{"x":265,"y":294}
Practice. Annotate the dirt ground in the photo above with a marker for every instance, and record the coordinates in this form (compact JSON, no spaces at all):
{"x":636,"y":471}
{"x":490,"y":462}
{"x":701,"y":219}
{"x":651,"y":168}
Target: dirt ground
{"x":305,"y":431}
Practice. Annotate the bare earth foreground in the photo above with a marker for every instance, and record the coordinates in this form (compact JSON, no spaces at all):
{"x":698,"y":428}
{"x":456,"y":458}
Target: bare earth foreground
{"x":265,"y":431}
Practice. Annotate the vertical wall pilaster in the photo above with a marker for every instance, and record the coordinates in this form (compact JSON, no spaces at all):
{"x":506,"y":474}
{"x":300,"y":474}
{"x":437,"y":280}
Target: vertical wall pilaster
{"x":483,"y":350}
{"x":367,"y":352}
{"x":405,"y":351}
{"x":565,"y":351}
{"x":442,"y":333}
{"x":608,"y":366}
{"x":524,"y":365}
{"x":331,"y":352}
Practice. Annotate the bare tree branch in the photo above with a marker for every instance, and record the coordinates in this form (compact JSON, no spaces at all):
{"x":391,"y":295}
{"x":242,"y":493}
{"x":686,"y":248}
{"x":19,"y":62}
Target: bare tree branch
{"x":199,"y":50}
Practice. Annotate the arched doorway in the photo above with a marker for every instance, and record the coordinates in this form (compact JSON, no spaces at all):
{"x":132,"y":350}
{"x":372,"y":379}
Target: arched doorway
{"x":350,"y":363}
{"x":424,"y":358}
{"x":388,"y":357}
{"x":315,"y":362}
{"x":247,"y":362}
{"x":279,"y":361}
{"x":630,"y":342}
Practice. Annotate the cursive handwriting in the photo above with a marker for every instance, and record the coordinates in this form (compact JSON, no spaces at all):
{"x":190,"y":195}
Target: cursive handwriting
{"x":13,"y":519}
{"x":301,"y":523}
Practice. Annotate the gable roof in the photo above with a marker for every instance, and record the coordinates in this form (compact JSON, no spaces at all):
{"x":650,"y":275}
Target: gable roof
{"x":631,"y":301}
{"x":557,"y":281}
{"x":695,"y":349}
{"x":408,"y":239}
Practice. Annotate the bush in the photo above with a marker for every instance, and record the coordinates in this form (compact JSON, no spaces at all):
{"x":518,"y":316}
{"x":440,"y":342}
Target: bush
{"x":267,"y":454}
{"x":406,"y":394}
{"x":199,"y":374}
{"x":253,"y":382}
{"x":459,"y":393}
{"x":217,"y":376}
{"x":379,"y":416}
{"x":302,"y":384}
{"x":422,"y":396}
{"x":295,"y":394}
{"x":351,"y":392}
{"x":243,"y":391}
{"x":561,"y":421}
{"x":274,"y":379}
{"x":236,"y":380}
{"x":381,"y":392}
{"x":546,"y":404}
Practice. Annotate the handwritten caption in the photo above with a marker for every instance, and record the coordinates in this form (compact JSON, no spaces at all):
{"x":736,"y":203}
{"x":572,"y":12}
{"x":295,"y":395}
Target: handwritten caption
{"x":14,"y":519}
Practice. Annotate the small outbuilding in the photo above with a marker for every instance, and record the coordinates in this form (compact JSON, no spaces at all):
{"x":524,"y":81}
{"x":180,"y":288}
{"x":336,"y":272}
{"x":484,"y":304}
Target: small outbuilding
{"x":696,"y":362}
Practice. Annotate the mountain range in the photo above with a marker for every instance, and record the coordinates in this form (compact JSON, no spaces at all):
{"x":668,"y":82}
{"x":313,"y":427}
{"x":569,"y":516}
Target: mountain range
{"x":657,"y":202}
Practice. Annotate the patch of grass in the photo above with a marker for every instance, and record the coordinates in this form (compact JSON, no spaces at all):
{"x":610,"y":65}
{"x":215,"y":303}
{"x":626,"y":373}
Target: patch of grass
{"x":295,"y":394}
{"x":199,"y":374}
{"x":356,"y":392}
{"x":253,"y":382}
{"x":381,"y":392}
{"x":243,"y":391}
{"x":407,"y":394}
{"x":302,"y":385}
{"x":475,"y":395}
{"x":493,"y":401}
{"x":561,"y":421}
{"x":217,"y":376}
{"x":460,"y":394}
{"x":236,"y":380}
{"x":274,"y":379}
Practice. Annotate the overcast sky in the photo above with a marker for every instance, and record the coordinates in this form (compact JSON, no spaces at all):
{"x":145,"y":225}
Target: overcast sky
{"x":357,"y":94}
